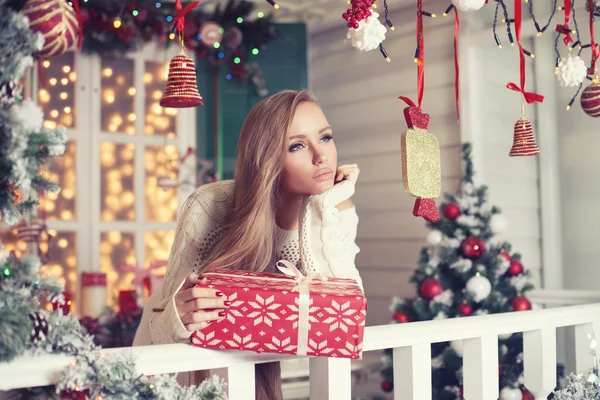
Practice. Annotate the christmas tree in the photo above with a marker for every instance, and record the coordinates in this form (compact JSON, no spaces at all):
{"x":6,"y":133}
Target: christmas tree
{"x":462,"y":272}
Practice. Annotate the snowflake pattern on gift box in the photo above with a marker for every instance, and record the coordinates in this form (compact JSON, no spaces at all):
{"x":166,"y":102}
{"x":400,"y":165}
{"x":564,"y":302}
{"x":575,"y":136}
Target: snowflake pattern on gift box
{"x":233,"y":310}
{"x":281,"y":346}
{"x":340,"y":316}
{"x":207,"y":339}
{"x":264,"y":310}
{"x":294,"y":308}
{"x":319,"y":349}
{"x":242,"y":343}
{"x":352,"y":350}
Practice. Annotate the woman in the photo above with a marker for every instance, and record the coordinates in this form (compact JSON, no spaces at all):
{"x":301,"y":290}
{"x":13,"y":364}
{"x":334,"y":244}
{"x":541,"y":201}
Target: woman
{"x":289,"y":201}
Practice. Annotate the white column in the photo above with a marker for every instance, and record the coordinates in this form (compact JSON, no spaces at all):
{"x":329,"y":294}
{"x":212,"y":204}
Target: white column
{"x":330,"y":379}
{"x":539,"y":357}
{"x":241,"y":382}
{"x":480,"y":368}
{"x":412,"y":372}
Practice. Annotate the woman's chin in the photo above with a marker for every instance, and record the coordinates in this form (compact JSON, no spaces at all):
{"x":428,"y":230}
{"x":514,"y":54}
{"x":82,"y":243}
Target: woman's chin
{"x":322,"y":187}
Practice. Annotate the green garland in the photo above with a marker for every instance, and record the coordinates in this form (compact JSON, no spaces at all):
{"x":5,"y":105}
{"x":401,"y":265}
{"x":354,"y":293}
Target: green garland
{"x":26,"y":328}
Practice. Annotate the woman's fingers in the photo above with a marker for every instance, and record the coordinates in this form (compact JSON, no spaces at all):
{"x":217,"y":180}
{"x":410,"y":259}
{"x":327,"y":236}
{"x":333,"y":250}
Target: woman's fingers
{"x":349,"y":172}
{"x":208,"y":303}
{"x":197,"y":317}
{"x":192,"y":280}
{"x":195,"y":293}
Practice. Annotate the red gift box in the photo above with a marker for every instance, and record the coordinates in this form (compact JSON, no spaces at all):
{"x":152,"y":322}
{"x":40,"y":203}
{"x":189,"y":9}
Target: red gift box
{"x":277,"y":313}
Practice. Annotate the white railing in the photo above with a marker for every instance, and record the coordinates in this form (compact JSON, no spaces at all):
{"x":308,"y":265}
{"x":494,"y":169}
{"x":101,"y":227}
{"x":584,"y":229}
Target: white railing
{"x":330,"y":378}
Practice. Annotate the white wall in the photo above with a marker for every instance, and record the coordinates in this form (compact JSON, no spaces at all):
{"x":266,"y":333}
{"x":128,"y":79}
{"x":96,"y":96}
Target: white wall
{"x":359,"y":91}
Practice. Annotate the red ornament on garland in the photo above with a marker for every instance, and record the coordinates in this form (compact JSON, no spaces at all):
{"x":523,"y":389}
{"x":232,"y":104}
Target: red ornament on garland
{"x":523,"y":140}
{"x":400,"y":317}
{"x":505,"y":255}
{"x":527,"y":395}
{"x":590,"y":99}
{"x":66,"y":306}
{"x":451,"y":211}
{"x":472,"y":247}
{"x":56,"y":21}
{"x":464,"y":309}
{"x":430,"y":288}
{"x":515,"y":268}
{"x":387,"y":386}
{"x":520,"y":303}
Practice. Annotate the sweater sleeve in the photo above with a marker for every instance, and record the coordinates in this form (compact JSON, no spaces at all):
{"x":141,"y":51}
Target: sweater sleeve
{"x":327,"y":236}
{"x":195,"y":236}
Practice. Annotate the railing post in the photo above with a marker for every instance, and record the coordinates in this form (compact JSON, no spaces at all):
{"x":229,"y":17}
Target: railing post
{"x":412,"y":372}
{"x":241,"y":382}
{"x":583,"y":359}
{"x":480,"y":368}
{"x":330,"y":378}
{"x":539,"y":357}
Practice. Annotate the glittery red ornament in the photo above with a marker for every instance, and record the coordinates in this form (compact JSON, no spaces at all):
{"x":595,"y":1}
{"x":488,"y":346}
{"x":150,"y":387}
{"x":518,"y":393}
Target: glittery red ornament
{"x":472,"y":247}
{"x":56,"y":21}
{"x":590,"y":100}
{"x":527,"y":395}
{"x":430,"y":288}
{"x":182,"y":90}
{"x":515,"y":268}
{"x":427,"y":209}
{"x":387,"y":386}
{"x":520,"y":303}
{"x":451,"y":211}
{"x":400,"y":317}
{"x":523,"y":140}
{"x":464,"y":309}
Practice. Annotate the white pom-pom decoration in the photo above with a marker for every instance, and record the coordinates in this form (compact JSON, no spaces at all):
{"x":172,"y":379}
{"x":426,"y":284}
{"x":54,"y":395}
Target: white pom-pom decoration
{"x":479,"y":287}
{"x":571,"y":71}
{"x":468,"y":5}
{"x":498,"y":223}
{"x":369,"y":34}
{"x":508,"y":393}
{"x":504,"y":336}
{"x":29,"y":115}
{"x":435,"y":237}
{"x":457,"y":346}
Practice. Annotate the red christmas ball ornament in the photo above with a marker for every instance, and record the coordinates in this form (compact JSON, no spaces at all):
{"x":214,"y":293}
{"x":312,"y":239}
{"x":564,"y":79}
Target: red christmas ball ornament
{"x":400,"y":317}
{"x":590,"y":100}
{"x":430,"y":288}
{"x":56,"y":21}
{"x":527,"y":395}
{"x":464,"y":309}
{"x":387,"y":386}
{"x":520,"y":303}
{"x":472,"y":247}
{"x":515,"y":268}
{"x":451,"y":211}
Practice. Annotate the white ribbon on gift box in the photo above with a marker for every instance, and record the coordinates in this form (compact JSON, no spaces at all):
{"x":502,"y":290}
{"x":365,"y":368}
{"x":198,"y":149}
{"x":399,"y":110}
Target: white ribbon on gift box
{"x":302,"y":287}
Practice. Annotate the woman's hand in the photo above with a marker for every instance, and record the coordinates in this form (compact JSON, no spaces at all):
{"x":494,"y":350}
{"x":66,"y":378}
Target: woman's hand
{"x":198,"y":307}
{"x":347,"y":172}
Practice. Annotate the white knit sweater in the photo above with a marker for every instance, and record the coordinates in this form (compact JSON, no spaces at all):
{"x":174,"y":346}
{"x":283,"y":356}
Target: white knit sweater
{"x":327,"y":247}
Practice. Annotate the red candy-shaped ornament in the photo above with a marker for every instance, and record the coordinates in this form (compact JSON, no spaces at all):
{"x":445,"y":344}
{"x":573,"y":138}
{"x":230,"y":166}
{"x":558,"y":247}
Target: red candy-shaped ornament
{"x":590,"y":100}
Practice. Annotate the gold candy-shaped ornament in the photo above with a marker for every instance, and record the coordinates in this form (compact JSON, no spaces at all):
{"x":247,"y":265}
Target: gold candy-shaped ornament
{"x":421,"y":164}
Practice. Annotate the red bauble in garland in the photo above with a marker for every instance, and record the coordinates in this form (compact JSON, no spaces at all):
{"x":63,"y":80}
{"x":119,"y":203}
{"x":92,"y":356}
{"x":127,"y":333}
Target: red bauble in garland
{"x":590,"y":100}
{"x":77,"y":394}
{"x":520,"y":303}
{"x":451,"y":211}
{"x":430,"y":288}
{"x":464,"y":309}
{"x":387,"y":386}
{"x":472,"y":247}
{"x":400,"y":317}
{"x":56,"y":21}
{"x":515,"y":268}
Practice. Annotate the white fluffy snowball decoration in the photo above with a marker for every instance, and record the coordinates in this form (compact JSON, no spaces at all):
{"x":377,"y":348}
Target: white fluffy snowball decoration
{"x":457,"y":346}
{"x":571,"y":71}
{"x":468,"y":5}
{"x":369,"y":34}
{"x":435,"y":237}
{"x":504,"y":336}
{"x":479,"y":287}
{"x":508,"y":393}
{"x":29,"y":115}
{"x":498,"y":223}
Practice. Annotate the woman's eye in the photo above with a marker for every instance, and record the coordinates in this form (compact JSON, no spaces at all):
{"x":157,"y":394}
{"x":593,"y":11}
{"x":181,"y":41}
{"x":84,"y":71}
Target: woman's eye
{"x":296,"y":147}
{"x":327,"y":138}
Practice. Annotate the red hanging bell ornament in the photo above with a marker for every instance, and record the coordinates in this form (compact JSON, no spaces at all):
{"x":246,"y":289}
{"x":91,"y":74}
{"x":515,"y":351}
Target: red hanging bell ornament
{"x":182,"y":89}
{"x":523,"y":140}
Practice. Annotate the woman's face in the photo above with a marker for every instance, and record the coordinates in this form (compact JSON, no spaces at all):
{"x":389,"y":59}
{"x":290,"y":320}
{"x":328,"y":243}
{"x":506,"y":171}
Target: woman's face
{"x":311,"y":158}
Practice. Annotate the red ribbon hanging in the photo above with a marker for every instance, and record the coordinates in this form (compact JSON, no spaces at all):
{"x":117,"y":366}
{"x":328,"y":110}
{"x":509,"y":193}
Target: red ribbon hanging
{"x":530,"y":97}
{"x":78,"y":13}
{"x":179,"y":20}
{"x":595,"y":47}
{"x":421,"y":57}
{"x":456,"y":70}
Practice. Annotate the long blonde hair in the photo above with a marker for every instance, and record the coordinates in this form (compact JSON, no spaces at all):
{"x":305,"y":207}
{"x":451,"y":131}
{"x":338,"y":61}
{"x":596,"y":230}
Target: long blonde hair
{"x":248,"y":237}
{"x":249,"y":231}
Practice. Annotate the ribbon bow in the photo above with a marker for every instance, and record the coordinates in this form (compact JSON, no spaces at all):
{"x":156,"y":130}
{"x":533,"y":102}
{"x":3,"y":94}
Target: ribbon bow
{"x":179,"y":20}
{"x":142,"y":275}
{"x":302,"y":281}
{"x":564,"y":29}
{"x":530,"y":97}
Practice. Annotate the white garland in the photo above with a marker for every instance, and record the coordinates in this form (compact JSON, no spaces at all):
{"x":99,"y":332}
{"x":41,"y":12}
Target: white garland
{"x":369,"y":34}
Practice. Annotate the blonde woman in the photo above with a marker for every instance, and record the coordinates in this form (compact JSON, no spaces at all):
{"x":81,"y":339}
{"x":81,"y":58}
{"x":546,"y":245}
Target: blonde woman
{"x":289,"y":200}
